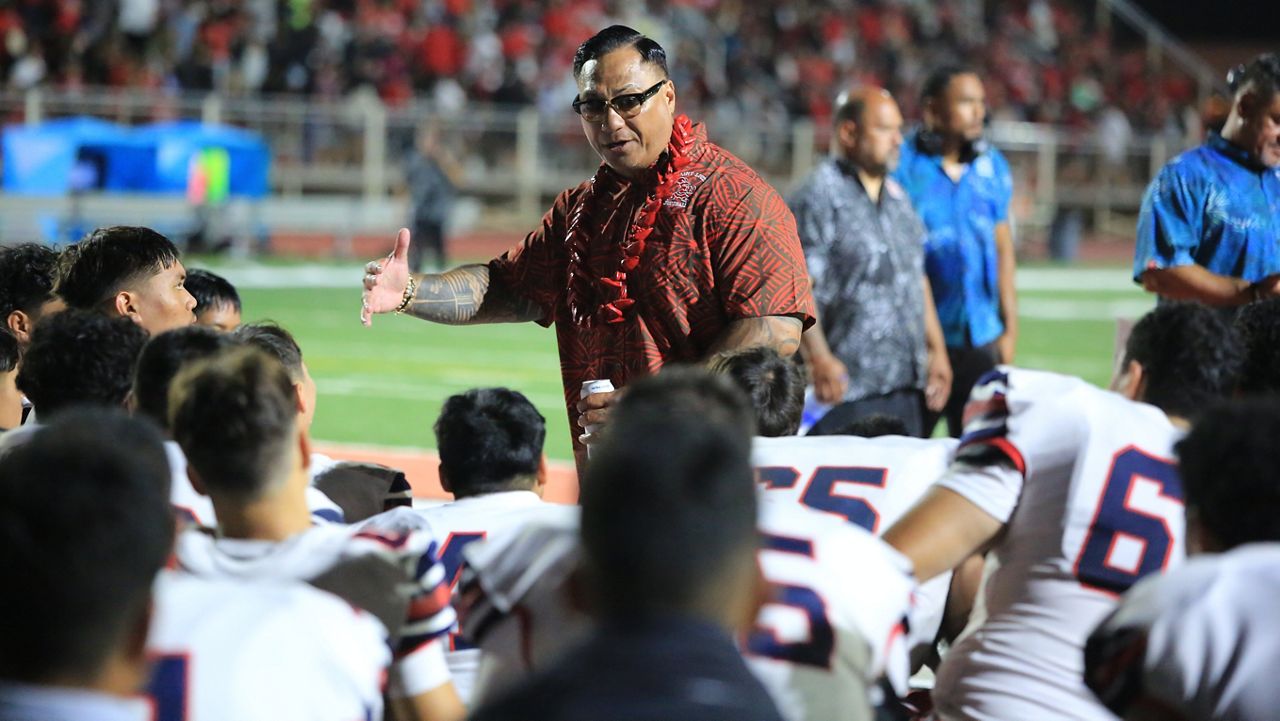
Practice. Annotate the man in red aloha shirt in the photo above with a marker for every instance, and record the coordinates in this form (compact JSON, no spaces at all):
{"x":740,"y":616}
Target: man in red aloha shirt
{"x":672,"y":252}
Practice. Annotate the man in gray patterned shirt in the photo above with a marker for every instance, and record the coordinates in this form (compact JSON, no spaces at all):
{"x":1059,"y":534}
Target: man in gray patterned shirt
{"x":877,"y":347}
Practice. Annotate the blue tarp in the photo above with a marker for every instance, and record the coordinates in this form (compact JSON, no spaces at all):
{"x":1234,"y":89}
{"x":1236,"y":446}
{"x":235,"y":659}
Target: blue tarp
{"x":50,"y":158}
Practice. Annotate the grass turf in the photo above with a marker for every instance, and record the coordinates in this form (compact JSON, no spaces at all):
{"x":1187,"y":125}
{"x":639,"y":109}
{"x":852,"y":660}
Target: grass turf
{"x":384,"y":385}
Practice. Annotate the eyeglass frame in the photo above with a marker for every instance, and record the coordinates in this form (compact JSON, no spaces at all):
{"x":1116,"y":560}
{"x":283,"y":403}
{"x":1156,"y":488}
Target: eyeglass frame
{"x":641,"y":97}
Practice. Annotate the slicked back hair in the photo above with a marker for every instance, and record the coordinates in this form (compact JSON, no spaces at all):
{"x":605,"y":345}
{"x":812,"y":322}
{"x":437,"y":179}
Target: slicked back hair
{"x":616,"y":37}
{"x":79,"y":357}
{"x":85,"y":526}
{"x":109,"y":260}
{"x":1189,"y":356}
{"x":163,"y":357}
{"x":1262,"y":75}
{"x":235,"y":416}
{"x":489,"y":440}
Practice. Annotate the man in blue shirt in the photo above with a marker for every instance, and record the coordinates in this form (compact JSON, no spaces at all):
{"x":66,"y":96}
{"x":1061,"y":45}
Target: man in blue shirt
{"x":961,"y":188}
{"x":1209,"y":229}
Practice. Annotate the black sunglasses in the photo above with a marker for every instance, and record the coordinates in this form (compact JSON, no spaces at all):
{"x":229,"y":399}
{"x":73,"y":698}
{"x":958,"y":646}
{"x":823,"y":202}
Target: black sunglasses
{"x":628,"y":106}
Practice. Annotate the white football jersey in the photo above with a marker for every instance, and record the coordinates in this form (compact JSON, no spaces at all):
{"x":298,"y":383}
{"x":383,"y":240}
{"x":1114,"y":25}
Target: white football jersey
{"x":817,"y":647}
{"x":224,"y":649}
{"x":395,"y":576}
{"x":869,"y":482}
{"x":837,"y":620}
{"x":196,"y":507}
{"x":455,"y":526}
{"x":1202,"y":640}
{"x":1091,"y":504}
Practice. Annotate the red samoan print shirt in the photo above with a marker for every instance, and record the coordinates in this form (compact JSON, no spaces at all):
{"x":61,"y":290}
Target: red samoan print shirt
{"x":724,"y":247}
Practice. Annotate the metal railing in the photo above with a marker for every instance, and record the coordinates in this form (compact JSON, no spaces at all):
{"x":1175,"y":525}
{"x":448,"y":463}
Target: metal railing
{"x":515,"y":160}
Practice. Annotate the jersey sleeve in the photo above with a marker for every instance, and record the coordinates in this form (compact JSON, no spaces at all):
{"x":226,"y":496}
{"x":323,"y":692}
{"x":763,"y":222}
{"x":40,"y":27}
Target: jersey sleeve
{"x":422,"y":585}
{"x":1016,"y":421}
{"x":1199,"y":640}
{"x":513,"y":589}
{"x":536,"y":268}
{"x":759,"y":265}
{"x":1169,"y":223}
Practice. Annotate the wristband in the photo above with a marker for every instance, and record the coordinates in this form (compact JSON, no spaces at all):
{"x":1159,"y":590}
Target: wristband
{"x":409,"y":290}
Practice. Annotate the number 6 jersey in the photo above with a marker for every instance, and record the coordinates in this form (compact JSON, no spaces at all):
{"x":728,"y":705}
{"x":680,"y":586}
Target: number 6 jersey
{"x":1083,"y":480}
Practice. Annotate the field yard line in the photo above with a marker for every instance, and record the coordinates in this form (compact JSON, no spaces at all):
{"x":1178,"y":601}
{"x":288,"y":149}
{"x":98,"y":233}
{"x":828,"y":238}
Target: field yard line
{"x":328,"y":276}
{"x":1101,"y":310}
{"x":1075,"y":279}
{"x":408,"y":390}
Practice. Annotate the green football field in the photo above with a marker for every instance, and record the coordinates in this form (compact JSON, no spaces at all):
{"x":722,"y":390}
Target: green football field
{"x":384,"y":385}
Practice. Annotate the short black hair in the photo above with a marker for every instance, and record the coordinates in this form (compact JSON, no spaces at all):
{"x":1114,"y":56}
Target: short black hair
{"x":668,"y":499}
{"x":9,"y":351}
{"x":271,"y":338}
{"x":235,"y":415}
{"x":1189,"y":355}
{"x":1228,"y":465}
{"x":85,"y":526}
{"x":616,"y":37}
{"x":489,"y":440}
{"x":80,"y":357}
{"x":1262,"y":75}
{"x":211,"y":290}
{"x":871,"y":426}
{"x":162,"y":358}
{"x":936,"y":84}
{"x":27,"y":275}
{"x":774,"y":384}
{"x":1259,"y":327}
{"x":109,"y":260}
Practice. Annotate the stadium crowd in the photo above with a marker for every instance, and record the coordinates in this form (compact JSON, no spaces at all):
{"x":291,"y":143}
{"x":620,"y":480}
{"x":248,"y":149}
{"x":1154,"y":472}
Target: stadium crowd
{"x":176,"y":550}
{"x":778,"y":61}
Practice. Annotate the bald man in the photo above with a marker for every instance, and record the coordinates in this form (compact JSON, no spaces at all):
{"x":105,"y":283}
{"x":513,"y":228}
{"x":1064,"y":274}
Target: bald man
{"x":877,"y":347}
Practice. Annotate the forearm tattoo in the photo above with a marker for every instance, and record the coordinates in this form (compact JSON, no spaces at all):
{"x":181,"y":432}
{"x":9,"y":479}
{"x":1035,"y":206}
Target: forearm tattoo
{"x":465,"y":296}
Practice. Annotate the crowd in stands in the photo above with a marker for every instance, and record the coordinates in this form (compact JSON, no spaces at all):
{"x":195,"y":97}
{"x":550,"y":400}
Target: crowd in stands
{"x":1045,"y":60}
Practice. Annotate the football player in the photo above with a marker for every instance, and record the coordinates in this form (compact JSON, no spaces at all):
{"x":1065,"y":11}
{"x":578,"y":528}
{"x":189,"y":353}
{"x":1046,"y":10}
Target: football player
{"x":1074,"y":491}
{"x":235,"y":416}
{"x":1201,"y":642}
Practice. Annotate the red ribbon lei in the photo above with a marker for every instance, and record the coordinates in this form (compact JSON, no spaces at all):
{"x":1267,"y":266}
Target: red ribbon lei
{"x":599,"y":300}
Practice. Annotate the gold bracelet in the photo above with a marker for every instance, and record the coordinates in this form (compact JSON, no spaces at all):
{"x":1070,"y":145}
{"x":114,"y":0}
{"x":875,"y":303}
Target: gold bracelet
{"x":409,"y":290}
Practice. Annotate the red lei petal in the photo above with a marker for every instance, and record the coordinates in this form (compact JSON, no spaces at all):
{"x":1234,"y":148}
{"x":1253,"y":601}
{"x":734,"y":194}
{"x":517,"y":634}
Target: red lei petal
{"x":586,"y":295}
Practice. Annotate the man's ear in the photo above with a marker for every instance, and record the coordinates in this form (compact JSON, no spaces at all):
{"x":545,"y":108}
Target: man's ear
{"x":19,"y":325}
{"x":1247,"y":105}
{"x":126,"y":305}
{"x":540,"y":480}
{"x":1132,"y":381}
{"x":300,"y":402}
{"x":847,"y":132}
{"x":444,"y":479}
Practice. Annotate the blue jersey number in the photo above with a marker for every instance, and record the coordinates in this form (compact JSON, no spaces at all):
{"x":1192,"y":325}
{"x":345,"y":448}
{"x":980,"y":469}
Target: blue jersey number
{"x":1129,"y":515}
{"x":820,"y":493}
{"x":168,"y":687}
{"x":821,"y":643}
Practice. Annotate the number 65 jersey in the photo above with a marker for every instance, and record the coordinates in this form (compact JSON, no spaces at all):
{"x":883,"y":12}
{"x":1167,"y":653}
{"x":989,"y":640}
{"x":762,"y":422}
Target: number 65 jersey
{"x":1083,"y":480}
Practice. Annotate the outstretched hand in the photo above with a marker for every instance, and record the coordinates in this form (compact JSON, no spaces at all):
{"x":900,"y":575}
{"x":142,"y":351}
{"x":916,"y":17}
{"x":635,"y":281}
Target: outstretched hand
{"x":385,"y":280}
